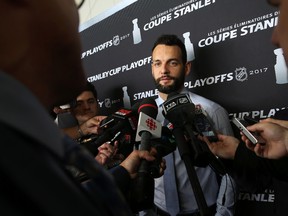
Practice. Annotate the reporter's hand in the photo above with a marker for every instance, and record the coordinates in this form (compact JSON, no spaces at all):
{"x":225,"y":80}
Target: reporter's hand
{"x":91,"y":126}
{"x":282,"y":123}
{"x":274,"y":137}
{"x":133,"y":161}
{"x":106,"y":152}
{"x":225,"y":147}
{"x":162,"y":167}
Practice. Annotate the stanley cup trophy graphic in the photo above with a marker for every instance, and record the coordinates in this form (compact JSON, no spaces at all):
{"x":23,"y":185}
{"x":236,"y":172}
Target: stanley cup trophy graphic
{"x":280,"y":67}
{"x":136,"y":32}
{"x":189,"y":47}
{"x":126,"y":98}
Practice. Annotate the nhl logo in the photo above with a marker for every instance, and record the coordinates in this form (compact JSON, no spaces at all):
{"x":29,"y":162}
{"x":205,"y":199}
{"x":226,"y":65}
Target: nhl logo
{"x":116,"y":40}
{"x":241,"y":74}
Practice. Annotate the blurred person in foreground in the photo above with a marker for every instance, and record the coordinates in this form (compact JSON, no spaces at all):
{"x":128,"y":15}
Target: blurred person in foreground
{"x":40,"y":66}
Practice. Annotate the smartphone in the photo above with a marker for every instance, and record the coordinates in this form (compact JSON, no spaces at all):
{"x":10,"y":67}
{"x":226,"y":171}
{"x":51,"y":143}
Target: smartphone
{"x":204,"y":126}
{"x":241,"y":125}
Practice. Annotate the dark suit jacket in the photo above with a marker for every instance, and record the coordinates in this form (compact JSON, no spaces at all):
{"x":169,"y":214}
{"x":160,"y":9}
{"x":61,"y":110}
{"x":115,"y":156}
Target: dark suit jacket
{"x":34,"y":181}
{"x":257,"y":176}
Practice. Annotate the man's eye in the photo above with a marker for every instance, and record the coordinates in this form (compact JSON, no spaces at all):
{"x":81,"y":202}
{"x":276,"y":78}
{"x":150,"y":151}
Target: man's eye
{"x":173,"y":63}
{"x":91,"y":101}
{"x":156,"y":64}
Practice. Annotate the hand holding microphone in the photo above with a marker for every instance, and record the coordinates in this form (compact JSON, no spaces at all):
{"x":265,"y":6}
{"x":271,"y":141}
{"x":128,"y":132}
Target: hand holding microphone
{"x":147,"y":128}
{"x":116,"y":127}
{"x":142,"y":196}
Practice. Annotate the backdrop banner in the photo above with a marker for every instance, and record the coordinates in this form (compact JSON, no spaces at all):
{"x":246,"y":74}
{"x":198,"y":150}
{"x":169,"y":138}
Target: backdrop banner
{"x":228,"y":41}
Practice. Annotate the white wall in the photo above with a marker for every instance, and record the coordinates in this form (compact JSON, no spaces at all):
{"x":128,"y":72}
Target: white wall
{"x":92,"y":8}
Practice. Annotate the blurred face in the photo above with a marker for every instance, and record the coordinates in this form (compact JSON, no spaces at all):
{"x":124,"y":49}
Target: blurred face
{"x":57,"y":48}
{"x":168,"y":70}
{"x":86,"y":107}
{"x":41,"y":48}
{"x":280,"y":34}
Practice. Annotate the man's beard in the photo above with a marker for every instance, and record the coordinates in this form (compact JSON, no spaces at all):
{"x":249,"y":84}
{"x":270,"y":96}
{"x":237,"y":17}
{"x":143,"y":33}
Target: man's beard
{"x":175,"y":86}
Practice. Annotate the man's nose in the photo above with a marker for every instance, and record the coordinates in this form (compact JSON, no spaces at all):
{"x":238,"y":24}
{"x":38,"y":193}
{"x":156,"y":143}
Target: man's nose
{"x":164,"y":69}
{"x":86,"y":105}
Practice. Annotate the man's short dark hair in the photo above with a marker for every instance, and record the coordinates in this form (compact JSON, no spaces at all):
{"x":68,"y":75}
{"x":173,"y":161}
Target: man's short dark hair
{"x":172,"y":40}
{"x":88,"y":87}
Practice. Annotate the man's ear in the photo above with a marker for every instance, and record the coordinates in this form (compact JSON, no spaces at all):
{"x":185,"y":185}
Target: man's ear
{"x":187,"y":68}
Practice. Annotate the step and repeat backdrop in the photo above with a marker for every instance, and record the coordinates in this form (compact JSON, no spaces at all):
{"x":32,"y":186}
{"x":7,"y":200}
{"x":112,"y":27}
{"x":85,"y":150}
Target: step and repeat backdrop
{"x":228,"y":42}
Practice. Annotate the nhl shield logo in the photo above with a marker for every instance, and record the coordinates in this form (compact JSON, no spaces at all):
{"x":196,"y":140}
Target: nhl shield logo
{"x":116,"y":40}
{"x":241,"y":74}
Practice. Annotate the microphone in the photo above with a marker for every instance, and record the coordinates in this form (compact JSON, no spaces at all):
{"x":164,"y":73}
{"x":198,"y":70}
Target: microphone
{"x":183,"y":114}
{"x":180,"y":111}
{"x":164,"y":146}
{"x":142,"y":196}
{"x":147,"y":127}
{"x":121,"y":125}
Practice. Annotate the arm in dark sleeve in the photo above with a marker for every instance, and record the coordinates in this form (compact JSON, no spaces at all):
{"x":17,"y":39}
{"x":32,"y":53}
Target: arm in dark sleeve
{"x":122,"y":178}
{"x":250,"y":172}
{"x":279,"y":168}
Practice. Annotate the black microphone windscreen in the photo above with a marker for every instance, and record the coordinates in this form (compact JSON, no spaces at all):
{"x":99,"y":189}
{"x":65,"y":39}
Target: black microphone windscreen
{"x":149,"y":107}
{"x":135,"y":107}
{"x":172,"y":94}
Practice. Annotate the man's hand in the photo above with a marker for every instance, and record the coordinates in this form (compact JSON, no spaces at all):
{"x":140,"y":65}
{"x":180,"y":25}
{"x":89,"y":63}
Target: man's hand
{"x":225,"y":147}
{"x":91,"y":126}
{"x":106,"y":153}
{"x":274,"y":139}
{"x":133,"y":161}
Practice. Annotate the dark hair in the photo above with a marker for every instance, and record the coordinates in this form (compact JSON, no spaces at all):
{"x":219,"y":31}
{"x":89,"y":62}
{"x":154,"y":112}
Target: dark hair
{"x":88,"y":87}
{"x":172,"y":40}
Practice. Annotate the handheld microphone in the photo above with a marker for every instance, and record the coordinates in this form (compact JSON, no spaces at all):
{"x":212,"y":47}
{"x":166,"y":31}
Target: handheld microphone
{"x":180,"y":111}
{"x":117,"y":127}
{"x":147,"y":127}
{"x":142,"y":196}
{"x":192,"y":119}
{"x":164,"y":146}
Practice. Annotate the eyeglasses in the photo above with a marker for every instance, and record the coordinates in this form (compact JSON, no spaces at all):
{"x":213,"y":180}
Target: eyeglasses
{"x":79,"y":3}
